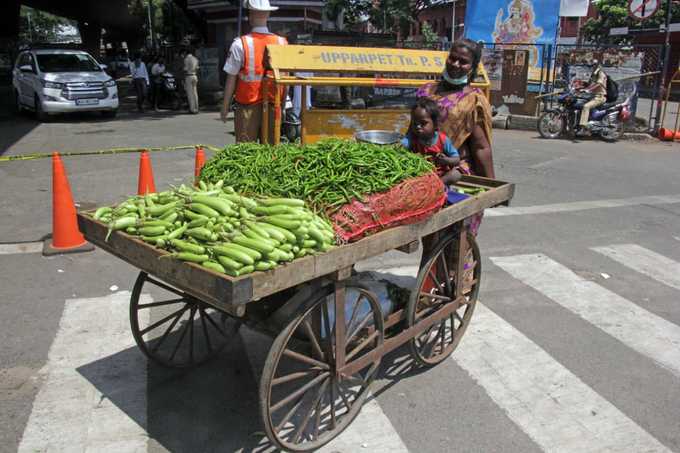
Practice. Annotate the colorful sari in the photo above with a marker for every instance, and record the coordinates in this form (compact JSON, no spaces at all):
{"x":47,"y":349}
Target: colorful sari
{"x":460,"y":112}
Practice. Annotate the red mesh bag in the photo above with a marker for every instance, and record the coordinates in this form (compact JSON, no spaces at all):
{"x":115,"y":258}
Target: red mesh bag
{"x":410,"y":201}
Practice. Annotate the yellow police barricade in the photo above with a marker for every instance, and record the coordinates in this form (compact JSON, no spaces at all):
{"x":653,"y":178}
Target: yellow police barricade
{"x":357,"y":67}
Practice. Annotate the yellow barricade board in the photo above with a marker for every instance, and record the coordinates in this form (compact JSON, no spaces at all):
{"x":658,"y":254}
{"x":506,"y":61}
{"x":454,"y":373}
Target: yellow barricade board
{"x":347,"y":67}
{"x":356,"y":59}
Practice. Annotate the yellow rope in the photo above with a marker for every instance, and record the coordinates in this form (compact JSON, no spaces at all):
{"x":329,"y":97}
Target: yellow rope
{"x":102,"y":152}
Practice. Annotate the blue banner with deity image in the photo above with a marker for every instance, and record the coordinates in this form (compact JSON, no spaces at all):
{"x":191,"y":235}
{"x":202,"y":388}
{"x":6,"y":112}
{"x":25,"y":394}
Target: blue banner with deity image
{"x":524,"y":22}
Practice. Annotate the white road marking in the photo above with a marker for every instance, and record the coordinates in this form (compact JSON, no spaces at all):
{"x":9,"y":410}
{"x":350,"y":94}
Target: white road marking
{"x":21,"y":247}
{"x":371,"y":431}
{"x":70,"y":412}
{"x":644,"y":261}
{"x":553,"y":406}
{"x":583,"y":205}
{"x":634,"y":326}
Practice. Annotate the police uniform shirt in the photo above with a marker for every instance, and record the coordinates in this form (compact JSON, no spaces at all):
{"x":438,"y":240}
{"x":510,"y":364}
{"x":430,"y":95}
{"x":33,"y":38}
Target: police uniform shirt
{"x":600,"y":78}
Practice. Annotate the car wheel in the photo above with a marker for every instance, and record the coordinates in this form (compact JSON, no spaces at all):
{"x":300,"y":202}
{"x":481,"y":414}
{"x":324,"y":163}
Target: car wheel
{"x":40,"y":114}
{"x":110,"y":113}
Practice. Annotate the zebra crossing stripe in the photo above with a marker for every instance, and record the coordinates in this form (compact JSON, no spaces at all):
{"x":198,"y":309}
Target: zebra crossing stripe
{"x":634,"y":326}
{"x":644,"y":261}
{"x":553,"y":406}
{"x":370,"y":431}
{"x":583,"y":205}
{"x":70,"y":414}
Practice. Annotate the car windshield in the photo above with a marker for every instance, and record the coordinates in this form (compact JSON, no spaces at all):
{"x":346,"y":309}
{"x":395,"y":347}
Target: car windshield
{"x":64,"y":62}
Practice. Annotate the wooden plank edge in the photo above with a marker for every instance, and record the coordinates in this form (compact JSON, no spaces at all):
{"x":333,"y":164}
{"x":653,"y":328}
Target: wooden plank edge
{"x":222,"y":291}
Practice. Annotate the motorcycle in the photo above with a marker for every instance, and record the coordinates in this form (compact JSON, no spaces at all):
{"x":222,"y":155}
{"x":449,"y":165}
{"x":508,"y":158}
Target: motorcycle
{"x":169,"y":92}
{"x":605,"y":121}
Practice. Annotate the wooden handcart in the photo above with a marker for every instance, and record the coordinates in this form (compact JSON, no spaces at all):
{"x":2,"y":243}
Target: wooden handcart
{"x":330,"y":332}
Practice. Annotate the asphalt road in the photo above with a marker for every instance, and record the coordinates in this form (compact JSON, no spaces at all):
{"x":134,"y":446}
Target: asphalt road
{"x":572,"y":348}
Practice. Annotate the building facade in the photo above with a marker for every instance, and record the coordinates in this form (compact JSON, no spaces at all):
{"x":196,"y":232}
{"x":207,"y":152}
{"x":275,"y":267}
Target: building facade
{"x":440,"y":16}
{"x":293,"y":17}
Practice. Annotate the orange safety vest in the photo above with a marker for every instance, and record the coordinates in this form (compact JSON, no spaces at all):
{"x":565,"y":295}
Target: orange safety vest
{"x":249,"y":82}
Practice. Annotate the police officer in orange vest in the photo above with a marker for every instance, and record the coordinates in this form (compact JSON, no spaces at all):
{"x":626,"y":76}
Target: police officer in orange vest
{"x":245,"y":68}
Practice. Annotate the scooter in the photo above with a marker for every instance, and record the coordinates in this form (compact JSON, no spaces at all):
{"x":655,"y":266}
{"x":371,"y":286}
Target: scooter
{"x":169,"y":93}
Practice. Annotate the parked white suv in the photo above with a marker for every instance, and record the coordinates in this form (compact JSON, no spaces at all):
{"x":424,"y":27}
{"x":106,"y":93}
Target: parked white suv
{"x":50,"y":81}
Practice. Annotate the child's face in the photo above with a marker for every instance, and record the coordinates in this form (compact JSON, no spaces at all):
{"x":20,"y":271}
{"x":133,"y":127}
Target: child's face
{"x":422,"y":124}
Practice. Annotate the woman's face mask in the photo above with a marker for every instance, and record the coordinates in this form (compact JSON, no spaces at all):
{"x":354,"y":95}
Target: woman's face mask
{"x":462,"y":80}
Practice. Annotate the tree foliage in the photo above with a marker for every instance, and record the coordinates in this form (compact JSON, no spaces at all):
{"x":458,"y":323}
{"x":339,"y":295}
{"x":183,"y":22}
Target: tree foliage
{"x":388,"y":16}
{"x":429,"y":36}
{"x":37,"y":26}
{"x":614,"y":13}
{"x":170,"y":23}
{"x":347,"y":12}
{"x":396,"y":15}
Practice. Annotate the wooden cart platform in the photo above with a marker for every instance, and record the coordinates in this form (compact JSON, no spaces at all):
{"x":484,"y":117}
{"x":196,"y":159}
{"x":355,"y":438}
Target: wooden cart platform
{"x":228,"y":293}
{"x":330,"y":331}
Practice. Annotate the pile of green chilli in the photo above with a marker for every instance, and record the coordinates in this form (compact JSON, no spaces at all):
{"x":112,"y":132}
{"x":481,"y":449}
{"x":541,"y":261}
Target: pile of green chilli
{"x":220,"y":229}
{"x":326,"y":174}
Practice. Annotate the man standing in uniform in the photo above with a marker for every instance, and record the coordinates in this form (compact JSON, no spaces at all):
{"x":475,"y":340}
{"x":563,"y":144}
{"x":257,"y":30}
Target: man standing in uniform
{"x":245,"y":68}
{"x":191,"y":80}
{"x":598,"y":86}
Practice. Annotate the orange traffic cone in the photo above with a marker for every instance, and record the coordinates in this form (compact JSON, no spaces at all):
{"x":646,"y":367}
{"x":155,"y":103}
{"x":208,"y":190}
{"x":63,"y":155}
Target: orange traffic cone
{"x":146,"y":184}
{"x":668,"y":134}
{"x":200,"y":162}
{"x":665,"y":134}
{"x":66,"y":237}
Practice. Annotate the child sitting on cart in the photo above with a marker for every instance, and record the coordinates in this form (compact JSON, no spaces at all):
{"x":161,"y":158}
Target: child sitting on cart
{"x":424,"y":137}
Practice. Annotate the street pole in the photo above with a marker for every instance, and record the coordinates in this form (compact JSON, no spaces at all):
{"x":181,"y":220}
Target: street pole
{"x":148,"y":13}
{"x":666,"y":57}
{"x":30,"y":28}
{"x":453,"y":22}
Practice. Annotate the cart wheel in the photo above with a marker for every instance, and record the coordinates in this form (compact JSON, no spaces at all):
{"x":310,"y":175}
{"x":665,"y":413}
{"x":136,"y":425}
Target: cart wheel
{"x":304,"y":403}
{"x":436,"y":287}
{"x":182,"y":331}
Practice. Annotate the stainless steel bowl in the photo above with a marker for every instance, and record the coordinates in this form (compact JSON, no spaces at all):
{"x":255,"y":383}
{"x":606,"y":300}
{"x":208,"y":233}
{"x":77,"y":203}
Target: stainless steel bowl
{"x":378,"y":137}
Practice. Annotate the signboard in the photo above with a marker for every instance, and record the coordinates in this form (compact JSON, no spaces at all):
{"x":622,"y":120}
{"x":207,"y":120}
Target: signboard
{"x":513,"y":83}
{"x":516,"y":24}
{"x":356,"y":59}
{"x":642,"y":9}
{"x":618,"y":31}
{"x":492,"y":59}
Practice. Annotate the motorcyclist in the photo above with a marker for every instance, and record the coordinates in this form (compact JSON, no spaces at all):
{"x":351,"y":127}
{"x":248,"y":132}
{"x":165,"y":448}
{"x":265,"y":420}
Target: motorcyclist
{"x":598,"y":87}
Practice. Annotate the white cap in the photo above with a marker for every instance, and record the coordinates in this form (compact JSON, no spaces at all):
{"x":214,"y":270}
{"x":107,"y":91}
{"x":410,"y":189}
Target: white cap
{"x":259,"y":5}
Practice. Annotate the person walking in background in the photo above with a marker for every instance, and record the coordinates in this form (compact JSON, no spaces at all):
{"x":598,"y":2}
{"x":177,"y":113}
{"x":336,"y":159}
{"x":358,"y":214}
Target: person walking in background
{"x":140,"y":80}
{"x":191,"y":80}
{"x":157,"y":71}
{"x":245,"y":68}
